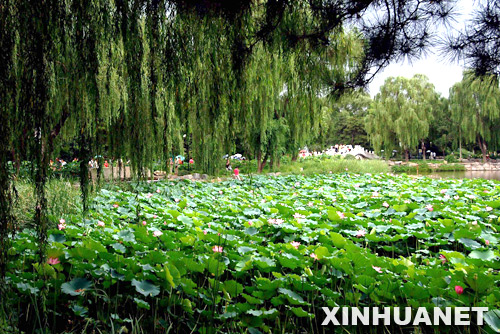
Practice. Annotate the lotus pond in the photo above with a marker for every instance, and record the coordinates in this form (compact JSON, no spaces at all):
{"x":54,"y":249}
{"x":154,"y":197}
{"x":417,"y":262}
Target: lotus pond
{"x":262,"y":255}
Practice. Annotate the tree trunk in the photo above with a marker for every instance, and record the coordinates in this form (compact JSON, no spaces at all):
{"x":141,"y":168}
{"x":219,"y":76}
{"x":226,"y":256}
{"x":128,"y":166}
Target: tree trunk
{"x":460,"y":142}
{"x":271,"y":163}
{"x":423,"y":150}
{"x":261,"y":164}
{"x":407,"y":155}
{"x":482,"y":146}
{"x":259,"y":158}
{"x":295,"y":156}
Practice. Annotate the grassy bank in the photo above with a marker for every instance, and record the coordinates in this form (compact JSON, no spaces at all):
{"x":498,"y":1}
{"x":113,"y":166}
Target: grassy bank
{"x":63,"y":197}
{"x":309,"y":167}
{"x":317,"y":166}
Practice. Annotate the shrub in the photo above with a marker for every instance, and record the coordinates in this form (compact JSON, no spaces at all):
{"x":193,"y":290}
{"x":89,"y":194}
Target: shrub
{"x":451,"y":158}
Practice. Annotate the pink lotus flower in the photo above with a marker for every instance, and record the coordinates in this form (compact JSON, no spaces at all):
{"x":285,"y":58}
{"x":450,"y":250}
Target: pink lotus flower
{"x":334,"y":199}
{"x":446,"y":197}
{"x":385,"y":204}
{"x":157,"y":233}
{"x":456,"y":197}
{"x":295,"y":244}
{"x":177,"y":200}
{"x":217,"y":249}
{"x":488,"y":208}
{"x":314,"y":256}
{"x":250,"y":223}
{"x":275,"y":221}
{"x":459,"y":290}
{"x":221,"y":192}
{"x":251,"y":191}
{"x":155,"y":216}
{"x":100,"y":223}
{"x":144,"y":223}
{"x":310,"y":204}
{"x":487,"y":242}
{"x":474,"y":223}
{"x":209,"y":224}
{"x":149,"y":195}
{"x":407,"y":201}
{"x":330,"y":172}
{"x":375,"y":194}
{"x":470,"y":196}
{"x":263,"y":201}
{"x":158,"y":190}
{"x":341,"y":214}
{"x":61,"y":226}
{"x":298,"y":216}
{"x":53,"y":260}
{"x":205,"y":231}
{"x":429,"y":207}
{"x":361,"y":233}
{"x":442,"y":258}
{"x":115,"y":206}
{"x":62,"y":221}
{"x":377,"y":269}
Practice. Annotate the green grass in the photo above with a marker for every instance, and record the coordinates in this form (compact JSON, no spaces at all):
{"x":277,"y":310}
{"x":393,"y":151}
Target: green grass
{"x":421,"y":168}
{"x":310,"y":167}
{"x":451,"y":167}
{"x":63,"y":197}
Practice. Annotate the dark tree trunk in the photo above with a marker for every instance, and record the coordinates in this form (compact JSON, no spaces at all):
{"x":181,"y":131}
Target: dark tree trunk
{"x":482,"y":146}
{"x":460,"y":142}
{"x":407,"y":155}
{"x":423,"y":150}
{"x":261,"y":164}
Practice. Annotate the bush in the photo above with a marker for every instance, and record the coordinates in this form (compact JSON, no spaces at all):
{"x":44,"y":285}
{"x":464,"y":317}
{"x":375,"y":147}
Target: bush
{"x":451,"y":158}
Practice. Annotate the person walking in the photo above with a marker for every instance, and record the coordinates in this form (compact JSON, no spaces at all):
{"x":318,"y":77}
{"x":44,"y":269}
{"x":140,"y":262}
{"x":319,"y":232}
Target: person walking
{"x":237,"y":174}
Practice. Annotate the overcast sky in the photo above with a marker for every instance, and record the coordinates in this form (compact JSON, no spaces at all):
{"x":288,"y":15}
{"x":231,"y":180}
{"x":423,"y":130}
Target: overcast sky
{"x":440,"y":72}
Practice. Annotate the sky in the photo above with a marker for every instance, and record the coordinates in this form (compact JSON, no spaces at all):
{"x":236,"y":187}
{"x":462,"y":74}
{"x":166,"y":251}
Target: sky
{"x":441,"y":72}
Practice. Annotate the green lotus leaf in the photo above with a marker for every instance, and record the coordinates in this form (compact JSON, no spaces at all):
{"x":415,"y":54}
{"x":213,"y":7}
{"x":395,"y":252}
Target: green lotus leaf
{"x":76,"y":287}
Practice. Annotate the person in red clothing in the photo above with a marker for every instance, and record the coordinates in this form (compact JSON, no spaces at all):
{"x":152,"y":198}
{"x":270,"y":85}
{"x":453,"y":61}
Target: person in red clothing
{"x":237,"y":173}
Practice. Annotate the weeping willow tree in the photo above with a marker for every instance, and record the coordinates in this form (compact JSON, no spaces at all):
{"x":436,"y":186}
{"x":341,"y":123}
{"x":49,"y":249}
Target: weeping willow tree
{"x":401,"y":113}
{"x":127,"y":78}
{"x":475,"y":106}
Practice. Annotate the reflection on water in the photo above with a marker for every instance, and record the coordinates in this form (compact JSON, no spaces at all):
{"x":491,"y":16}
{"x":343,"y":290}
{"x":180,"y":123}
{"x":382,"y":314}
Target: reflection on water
{"x":488,"y":175}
